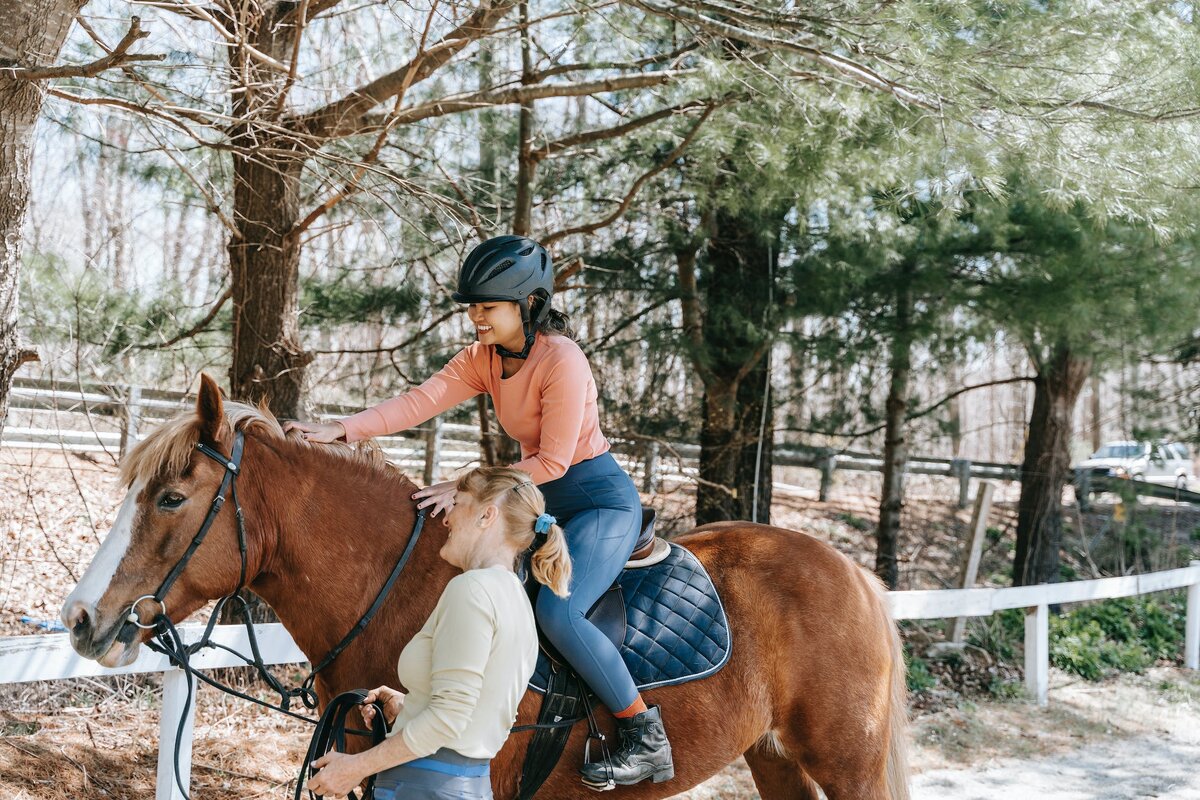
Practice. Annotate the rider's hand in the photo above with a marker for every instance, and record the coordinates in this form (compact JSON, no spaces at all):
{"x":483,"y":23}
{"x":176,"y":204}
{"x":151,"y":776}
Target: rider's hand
{"x":440,"y":496}
{"x":317,"y":431}
{"x":391,"y":700}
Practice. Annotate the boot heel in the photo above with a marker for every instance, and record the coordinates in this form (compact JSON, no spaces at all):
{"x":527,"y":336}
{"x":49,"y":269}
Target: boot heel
{"x":664,"y":774}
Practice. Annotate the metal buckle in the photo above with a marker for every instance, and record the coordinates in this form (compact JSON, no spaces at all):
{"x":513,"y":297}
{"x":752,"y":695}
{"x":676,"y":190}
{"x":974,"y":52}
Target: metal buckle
{"x":133,"y":615}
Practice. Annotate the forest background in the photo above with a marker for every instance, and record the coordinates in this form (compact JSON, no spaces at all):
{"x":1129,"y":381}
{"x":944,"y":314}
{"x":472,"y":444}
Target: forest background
{"x":959,"y":229}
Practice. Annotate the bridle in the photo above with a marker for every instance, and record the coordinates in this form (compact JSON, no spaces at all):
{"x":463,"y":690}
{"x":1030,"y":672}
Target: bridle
{"x":228,"y":484}
{"x":168,"y":641}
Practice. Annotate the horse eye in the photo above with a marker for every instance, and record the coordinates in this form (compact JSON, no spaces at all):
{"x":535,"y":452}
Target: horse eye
{"x":171,"y":500}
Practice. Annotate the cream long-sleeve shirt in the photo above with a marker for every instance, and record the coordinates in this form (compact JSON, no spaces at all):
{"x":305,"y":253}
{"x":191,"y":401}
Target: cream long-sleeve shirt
{"x":467,"y":668}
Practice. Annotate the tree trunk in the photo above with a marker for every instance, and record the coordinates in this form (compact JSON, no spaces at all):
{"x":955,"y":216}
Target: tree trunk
{"x":757,"y":409}
{"x":735,"y":338}
{"x":269,"y":363}
{"x":1046,"y":465}
{"x":32,"y":35}
{"x":895,"y":444}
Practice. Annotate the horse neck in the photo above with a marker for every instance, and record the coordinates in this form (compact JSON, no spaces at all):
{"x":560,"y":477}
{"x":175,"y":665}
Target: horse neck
{"x":332,"y":531}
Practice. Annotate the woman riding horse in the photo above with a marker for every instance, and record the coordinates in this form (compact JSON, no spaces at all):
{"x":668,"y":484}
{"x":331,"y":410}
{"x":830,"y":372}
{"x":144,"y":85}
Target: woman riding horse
{"x":545,"y":397}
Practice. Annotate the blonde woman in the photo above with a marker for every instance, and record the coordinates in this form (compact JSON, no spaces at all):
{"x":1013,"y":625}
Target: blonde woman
{"x":467,"y":668}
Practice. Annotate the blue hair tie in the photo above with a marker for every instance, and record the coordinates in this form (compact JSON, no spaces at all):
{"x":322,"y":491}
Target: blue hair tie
{"x":543,"y":523}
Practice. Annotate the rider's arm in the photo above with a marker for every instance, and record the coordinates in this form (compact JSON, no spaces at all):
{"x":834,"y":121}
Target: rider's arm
{"x":462,"y":644}
{"x":459,"y":380}
{"x":564,"y":400}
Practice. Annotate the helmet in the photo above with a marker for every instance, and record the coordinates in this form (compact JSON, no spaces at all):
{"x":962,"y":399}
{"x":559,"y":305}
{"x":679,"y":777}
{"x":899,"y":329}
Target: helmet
{"x":508,"y":268}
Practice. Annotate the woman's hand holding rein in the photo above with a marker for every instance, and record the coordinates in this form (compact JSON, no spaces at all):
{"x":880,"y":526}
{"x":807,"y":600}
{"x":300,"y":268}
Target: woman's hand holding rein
{"x":391,"y":700}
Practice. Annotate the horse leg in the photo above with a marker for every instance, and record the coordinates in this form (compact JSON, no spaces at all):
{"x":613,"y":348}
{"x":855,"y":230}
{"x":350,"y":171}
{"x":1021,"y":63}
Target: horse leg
{"x":778,"y":777}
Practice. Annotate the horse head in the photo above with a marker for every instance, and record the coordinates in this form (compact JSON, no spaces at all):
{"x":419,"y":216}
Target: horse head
{"x":170,"y":485}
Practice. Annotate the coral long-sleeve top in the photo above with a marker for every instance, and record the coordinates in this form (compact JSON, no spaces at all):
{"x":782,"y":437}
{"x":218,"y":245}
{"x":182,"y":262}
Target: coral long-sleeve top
{"x":549,"y":405}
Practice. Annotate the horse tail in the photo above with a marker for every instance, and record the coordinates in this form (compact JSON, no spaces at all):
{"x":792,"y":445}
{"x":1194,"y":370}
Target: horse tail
{"x":897,"y":772}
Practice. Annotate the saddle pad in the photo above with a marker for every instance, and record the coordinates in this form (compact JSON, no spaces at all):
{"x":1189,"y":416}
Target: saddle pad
{"x":676,"y":627}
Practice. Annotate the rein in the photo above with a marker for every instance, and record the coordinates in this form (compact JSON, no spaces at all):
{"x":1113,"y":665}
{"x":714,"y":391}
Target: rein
{"x":169,"y":642}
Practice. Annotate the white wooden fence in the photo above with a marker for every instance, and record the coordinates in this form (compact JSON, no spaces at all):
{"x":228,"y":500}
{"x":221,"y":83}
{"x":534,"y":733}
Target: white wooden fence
{"x":430,"y":449}
{"x":50,"y":657}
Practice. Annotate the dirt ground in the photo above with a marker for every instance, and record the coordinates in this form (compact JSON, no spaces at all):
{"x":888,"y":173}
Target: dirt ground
{"x":1129,"y":737}
{"x":97,"y":738}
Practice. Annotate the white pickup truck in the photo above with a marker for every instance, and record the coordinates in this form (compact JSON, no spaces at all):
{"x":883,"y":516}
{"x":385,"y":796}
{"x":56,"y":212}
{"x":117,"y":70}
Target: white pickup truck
{"x":1168,"y":463}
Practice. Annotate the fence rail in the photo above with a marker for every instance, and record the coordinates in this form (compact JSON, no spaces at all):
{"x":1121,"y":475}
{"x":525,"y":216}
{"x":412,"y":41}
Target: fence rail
{"x":441,"y":447}
{"x":50,"y":657}
{"x":431,"y":448}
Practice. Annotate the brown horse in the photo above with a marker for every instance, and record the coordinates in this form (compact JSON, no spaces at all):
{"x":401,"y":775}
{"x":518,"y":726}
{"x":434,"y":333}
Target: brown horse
{"x":813,"y":693}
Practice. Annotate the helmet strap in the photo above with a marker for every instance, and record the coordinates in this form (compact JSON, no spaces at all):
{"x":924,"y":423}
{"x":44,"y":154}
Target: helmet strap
{"x":529,"y":334}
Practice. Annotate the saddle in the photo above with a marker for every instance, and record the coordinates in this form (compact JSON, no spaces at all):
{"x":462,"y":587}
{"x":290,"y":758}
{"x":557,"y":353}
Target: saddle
{"x":666,"y":619}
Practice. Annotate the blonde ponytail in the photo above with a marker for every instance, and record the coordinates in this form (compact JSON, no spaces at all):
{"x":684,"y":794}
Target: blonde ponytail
{"x":521,"y":503}
{"x":551,"y":564}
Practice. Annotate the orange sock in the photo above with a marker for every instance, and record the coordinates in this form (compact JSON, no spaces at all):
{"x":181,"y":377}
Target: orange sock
{"x":636,"y":707}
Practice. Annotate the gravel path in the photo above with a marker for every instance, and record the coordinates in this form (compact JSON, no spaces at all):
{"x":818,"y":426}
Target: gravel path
{"x":1123,"y":769}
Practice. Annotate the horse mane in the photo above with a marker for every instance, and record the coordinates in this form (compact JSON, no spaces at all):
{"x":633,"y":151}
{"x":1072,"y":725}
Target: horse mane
{"x":168,"y":449}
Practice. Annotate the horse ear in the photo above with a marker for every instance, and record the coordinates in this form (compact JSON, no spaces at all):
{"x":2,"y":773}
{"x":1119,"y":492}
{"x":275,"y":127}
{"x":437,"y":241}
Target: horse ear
{"x":210,"y":409}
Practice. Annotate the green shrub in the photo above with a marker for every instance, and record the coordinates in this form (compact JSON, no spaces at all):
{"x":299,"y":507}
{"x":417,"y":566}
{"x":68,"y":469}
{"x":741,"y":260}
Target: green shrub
{"x":1001,"y":634}
{"x":919,"y":676}
{"x":1127,"y":635}
{"x":856,"y":522}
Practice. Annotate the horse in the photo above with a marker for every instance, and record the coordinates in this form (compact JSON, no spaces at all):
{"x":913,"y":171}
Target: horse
{"x":813,"y":694}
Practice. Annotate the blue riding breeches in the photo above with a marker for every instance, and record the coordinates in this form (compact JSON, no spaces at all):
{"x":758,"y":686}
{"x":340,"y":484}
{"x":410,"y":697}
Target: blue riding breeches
{"x":600,"y":511}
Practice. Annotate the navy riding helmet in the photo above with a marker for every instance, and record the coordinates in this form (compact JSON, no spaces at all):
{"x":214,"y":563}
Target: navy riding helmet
{"x":509,"y":268}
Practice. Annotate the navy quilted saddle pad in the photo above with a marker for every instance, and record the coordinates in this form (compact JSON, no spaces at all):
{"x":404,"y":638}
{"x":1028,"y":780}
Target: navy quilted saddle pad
{"x":676,"y":629}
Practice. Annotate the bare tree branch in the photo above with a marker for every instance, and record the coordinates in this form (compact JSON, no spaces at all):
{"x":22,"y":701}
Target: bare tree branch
{"x":600,"y":134}
{"x":537,"y":76}
{"x":623,"y":206}
{"x":352,"y":184}
{"x":118,"y":56}
{"x":858,"y":72}
{"x":195,"y":11}
{"x":341,"y":117}
{"x":916,"y":414}
{"x":487,"y":98}
{"x":410,"y":340}
{"x":199,"y":327}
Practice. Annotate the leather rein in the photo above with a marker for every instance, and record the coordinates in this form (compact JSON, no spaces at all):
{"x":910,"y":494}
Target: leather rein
{"x":167,"y":639}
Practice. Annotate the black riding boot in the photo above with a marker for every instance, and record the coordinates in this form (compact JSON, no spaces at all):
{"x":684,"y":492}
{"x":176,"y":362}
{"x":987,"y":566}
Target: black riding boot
{"x":644,"y":753}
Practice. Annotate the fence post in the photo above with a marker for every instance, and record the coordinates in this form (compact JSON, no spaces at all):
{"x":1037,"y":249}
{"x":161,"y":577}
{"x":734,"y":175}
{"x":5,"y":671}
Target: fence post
{"x":175,"y":696}
{"x":1191,"y":647}
{"x":1037,"y":652}
{"x":827,"y":465}
{"x":650,"y":477}
{"x":433,"y":447}
{"x":1083,"y":490}
{"x":970,"y":564}
{"x":133,"y":418}
{"x":962,"y":468}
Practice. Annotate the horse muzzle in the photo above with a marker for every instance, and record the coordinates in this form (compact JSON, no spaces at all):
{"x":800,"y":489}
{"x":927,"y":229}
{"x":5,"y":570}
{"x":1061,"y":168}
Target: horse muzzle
{"x":114,"y":645}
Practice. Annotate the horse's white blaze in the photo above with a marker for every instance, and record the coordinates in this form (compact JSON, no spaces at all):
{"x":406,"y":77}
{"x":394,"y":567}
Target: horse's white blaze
{"x":112,"y":551}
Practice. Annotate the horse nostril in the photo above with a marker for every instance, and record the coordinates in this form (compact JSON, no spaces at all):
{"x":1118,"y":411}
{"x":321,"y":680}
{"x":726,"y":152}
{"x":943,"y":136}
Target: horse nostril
{"x":79,"y":620}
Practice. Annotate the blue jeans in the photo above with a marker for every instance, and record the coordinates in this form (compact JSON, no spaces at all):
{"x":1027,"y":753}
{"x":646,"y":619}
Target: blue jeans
{"x":445,"y":775}
{"x":600,"y":511}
